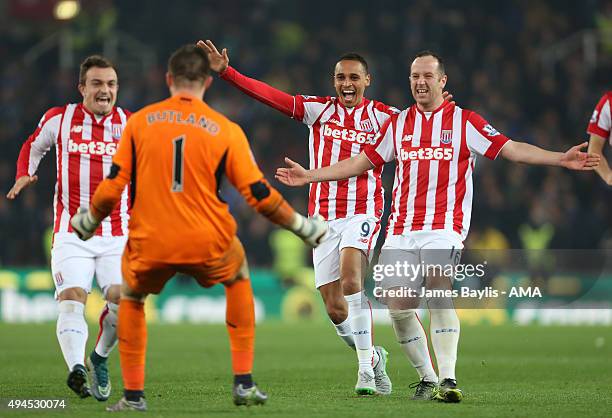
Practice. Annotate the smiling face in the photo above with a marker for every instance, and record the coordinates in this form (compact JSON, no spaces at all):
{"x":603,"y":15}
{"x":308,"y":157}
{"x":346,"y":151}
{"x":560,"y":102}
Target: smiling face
{"x":99,"y":90}
{"x":427,"y":82}
{"x":350,"y":82}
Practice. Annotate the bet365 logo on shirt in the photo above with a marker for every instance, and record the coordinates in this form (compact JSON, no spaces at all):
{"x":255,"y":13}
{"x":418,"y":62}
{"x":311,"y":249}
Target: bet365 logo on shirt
{"x":348,"y":134}
{"x":426,"y":153}
{"x":93,"y":147}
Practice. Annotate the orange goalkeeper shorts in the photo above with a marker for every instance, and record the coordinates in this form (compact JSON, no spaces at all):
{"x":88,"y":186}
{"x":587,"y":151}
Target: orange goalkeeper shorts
{"x":151,"y":277}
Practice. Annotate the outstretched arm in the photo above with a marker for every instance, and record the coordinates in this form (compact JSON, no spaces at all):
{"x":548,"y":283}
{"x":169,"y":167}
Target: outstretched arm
{"x":596,"y":145}
{"x":243,"y":173}
{"x":296,"y":175}
{"x":219,"y":62}
{"x":572,"y":159}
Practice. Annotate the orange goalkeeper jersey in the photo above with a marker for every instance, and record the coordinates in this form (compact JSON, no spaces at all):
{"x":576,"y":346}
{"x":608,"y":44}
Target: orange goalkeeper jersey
{"x":176,"y":152}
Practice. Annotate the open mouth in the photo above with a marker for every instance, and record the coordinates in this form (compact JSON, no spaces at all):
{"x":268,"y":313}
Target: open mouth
{"x":103,"y":101}
{"x":349,"y":95}
{"x":421,"y":91}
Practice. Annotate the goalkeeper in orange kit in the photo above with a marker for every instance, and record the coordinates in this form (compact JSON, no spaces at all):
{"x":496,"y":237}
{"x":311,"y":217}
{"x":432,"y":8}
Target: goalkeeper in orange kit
{"x":175,"y":153}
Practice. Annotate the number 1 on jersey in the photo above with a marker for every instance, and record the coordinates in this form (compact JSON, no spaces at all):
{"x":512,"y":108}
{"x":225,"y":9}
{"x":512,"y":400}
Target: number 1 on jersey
{"x":177,"y":166}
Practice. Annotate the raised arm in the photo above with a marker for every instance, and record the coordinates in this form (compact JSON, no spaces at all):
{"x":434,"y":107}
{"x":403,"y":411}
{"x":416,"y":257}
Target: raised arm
{"x":596,"y":145}
{"x":296,"y":175}
{"x":279,"y":100}
{"x":572,"y":159}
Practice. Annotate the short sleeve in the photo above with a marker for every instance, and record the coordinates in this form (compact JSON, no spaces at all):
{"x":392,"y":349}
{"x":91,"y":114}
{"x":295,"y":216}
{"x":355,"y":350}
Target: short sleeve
{"x":308,"y":109}
{"x":383,"y":151}
{"x":601,"y":123}
{"x":482,"y":138}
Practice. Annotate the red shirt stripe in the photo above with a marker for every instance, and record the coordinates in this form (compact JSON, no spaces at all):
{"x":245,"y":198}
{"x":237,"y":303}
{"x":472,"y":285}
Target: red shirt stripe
{"x":444,"y":166}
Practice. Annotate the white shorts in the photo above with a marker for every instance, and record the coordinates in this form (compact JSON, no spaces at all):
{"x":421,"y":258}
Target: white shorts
{"x":417,"y":240}
{"x":74,"y":262}
{"x":357,"y":231}
{"x":419,"y":248}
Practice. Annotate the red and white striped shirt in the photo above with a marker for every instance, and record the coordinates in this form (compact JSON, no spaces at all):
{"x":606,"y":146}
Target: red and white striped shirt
{"x":601,"y":120}
{"x":435,"y":154}
{"x":85,"y":145}
{"x":338,"y":133}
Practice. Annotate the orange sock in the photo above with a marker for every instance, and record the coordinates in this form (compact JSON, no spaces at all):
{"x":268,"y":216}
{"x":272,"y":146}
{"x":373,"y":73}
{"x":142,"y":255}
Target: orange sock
{"x":132,"y":333}
{"x":240,"y":321}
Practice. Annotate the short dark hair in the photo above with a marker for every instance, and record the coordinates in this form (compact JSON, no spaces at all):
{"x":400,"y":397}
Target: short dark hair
{"x":353,"y":56}
{"x":428,"y":53}
{"x":189,"y":63}
{"x":93,"y":61}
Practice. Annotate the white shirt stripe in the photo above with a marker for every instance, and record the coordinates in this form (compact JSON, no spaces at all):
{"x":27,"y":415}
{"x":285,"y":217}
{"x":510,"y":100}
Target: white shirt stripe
{"x":399,"y":173}
{"x":436,"y":131}
{"x":317,"y":121}
{"x":77,"y":125}
{"x":414,"y":171}
{"x":481,"y":139}
{"x":453,"y":169}
{"x":64,"y":138}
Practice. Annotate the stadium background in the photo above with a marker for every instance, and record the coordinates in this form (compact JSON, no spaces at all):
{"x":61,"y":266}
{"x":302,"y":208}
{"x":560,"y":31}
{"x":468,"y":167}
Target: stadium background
{"x":535,"y":70}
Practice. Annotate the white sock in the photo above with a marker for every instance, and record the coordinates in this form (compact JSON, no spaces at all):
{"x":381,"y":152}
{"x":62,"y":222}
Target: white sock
{"x":445,"y":330}
{"x":411,"y":337}
{"x":344,"y":331}
{"x":107,"y":339}
{"x":361,"y":325}
{"x":72,"y":332}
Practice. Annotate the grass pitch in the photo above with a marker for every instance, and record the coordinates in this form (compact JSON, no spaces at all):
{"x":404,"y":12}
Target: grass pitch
{"x":505,"y":371}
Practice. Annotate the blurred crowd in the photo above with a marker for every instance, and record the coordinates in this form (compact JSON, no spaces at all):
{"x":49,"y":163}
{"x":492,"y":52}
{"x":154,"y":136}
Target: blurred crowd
{"x":497,"y":61}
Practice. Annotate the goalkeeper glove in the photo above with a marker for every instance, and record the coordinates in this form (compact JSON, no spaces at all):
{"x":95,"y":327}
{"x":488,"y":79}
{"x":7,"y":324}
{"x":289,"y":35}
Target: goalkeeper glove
{"x":84,"y":224}
{"x":313,"y":230}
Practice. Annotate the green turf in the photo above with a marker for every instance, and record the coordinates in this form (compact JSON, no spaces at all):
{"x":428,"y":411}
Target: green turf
{"x":504,"y":372}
